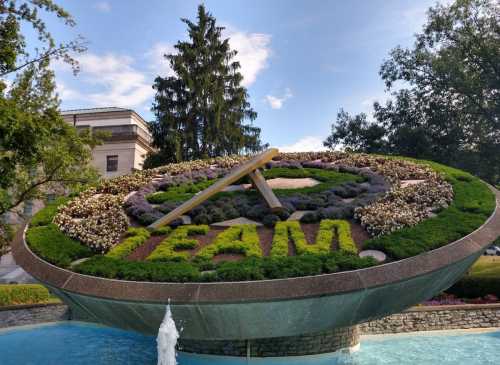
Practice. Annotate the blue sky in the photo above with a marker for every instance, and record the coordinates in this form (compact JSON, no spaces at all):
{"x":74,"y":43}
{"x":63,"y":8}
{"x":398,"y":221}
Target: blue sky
{"x":301,"y":60}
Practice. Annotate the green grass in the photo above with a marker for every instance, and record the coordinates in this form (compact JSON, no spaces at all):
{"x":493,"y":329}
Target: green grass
{"x":18,"y":294}
{"x":473,"y":203}
{"x":486,"y":267}
{"x":179,"y":193}
{"x":46,"y":215}
{"x":327,"y":178}
{"x":47,"y":241}
{"x":52,"y":245}
{"x":483,"y":278}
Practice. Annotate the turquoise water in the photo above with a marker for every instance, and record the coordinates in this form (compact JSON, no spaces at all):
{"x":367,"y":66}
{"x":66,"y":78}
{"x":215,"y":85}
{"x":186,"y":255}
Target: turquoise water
{"x":77,"y":343}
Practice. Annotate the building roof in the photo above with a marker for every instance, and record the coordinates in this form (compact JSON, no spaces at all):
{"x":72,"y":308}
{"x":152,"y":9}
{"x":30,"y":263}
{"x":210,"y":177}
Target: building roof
{"x":94,"y":110}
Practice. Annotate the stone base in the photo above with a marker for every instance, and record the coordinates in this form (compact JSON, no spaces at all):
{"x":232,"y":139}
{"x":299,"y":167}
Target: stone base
{"x":339,"y":339}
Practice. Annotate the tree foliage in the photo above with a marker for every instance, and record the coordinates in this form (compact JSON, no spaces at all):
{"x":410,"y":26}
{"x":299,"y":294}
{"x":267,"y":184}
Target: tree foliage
{"x":449,"y":109}
{"x":201,"y":110}
{"x":14,"y":53}
{"x":38,"y":149}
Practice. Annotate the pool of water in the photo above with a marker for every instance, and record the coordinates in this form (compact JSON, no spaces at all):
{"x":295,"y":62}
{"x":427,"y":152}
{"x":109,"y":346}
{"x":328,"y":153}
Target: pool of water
{"x":78,"y":343}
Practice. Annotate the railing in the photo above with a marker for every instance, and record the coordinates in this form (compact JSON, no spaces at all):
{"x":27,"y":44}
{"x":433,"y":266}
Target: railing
{"x":121,"y":132}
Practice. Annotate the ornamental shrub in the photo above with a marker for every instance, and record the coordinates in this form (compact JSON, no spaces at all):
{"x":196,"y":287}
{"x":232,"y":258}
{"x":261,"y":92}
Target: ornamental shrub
{"x":342,"y":228}
{"x":135,"y":238}
{"x":239,"y":239}
{"x":178,"y":240}
{"x":292,"y":266}
{"x":270,"y":220}
{"x":475,"y":287}
{"x":14,"y":294}
{"x":52,"y":245}
{"x":240,"y":271}
{"x":291,"y":229}
{"x":103,"y":266}
{"x":162,"y":231}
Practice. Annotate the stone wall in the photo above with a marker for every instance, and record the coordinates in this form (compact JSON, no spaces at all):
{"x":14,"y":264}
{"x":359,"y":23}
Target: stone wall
{"x":322,"y":342}
{"x":436,"y":318}
{"x":32,"y":314}
{"x":414,"y":319}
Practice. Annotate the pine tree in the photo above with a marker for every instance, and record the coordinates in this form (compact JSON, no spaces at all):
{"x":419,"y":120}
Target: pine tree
{"x":201,"y":110}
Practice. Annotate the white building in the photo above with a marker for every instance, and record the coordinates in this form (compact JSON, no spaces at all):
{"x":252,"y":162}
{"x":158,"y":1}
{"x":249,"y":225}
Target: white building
{"x":126,"y":147}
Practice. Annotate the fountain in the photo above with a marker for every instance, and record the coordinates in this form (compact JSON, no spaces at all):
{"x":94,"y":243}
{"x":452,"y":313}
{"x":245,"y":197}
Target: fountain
{"x":167,"y":339}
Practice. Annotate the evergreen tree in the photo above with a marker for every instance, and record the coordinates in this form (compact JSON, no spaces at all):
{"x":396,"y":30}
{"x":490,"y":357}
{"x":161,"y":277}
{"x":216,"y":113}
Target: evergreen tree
{"x":201,"y":110}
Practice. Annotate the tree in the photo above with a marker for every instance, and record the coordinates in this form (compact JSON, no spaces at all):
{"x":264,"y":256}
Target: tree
{"x":38,"y":149}
{"x":201,"y":110}
{"x":14,"y":54}
{"x":356,"y":134}
{"x":449,"y":110}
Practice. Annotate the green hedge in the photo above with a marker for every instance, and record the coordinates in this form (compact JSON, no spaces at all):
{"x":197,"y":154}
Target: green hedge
{"x":473,"y":203}
{"x":327,"y":228}
{"x":178,"y":240}
{"x":14,"y":294}
{"x":246,"y":269}
{"x":475,"y":287}
{"x":52,"y":245}
{"x":239,"y":239}
{"x":108,"y":267}
{"x":135,"y":238}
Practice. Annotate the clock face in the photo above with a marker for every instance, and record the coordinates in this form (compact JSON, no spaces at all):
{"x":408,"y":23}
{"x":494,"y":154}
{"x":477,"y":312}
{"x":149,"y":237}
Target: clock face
{"x":270,"y":216}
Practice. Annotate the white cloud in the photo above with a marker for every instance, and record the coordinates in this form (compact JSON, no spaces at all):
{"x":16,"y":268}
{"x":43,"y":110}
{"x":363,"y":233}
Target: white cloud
{"x":276,"y":102}
{"x":66,"y":93}
{"x":414,"y":17}
{"x":114,"y":77}
{"x":367,"y":103}
{"x":253,"y":52}
{"x":159,"y":65}
{"x":103,"y":6}
{"x":305,"y":144}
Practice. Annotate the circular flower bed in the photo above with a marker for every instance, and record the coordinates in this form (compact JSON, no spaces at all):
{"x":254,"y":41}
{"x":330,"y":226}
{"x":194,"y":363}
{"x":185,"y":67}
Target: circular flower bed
{"x":358,"y":201}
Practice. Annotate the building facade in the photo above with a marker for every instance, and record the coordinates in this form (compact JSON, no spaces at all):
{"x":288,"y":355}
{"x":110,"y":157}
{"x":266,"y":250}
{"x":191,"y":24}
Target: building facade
{"x":128,"y":141}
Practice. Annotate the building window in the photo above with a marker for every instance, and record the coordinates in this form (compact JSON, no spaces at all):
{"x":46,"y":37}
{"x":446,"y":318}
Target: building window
{"x":112,"y":163}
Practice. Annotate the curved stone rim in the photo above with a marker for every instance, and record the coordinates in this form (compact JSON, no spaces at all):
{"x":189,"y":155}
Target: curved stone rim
{"x":263,"y":290}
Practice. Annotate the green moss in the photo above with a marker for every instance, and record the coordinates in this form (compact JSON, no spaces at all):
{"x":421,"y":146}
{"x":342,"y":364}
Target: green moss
{"x":239,"y":239}
{"x":52,"y":245}
{"x":16,"y":294}
{"x":45,"y":216}
{"x":178,"y":240}
{"x":135,"y":238}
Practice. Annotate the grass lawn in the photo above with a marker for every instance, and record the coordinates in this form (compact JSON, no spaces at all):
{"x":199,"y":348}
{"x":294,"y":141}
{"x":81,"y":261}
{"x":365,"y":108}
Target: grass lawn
{"x":486,"y":267}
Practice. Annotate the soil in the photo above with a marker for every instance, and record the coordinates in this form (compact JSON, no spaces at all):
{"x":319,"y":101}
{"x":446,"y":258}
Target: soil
{"x":359,"y":235}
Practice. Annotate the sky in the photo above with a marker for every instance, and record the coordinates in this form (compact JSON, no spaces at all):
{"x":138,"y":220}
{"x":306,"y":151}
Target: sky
{"x":301,"y":60}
